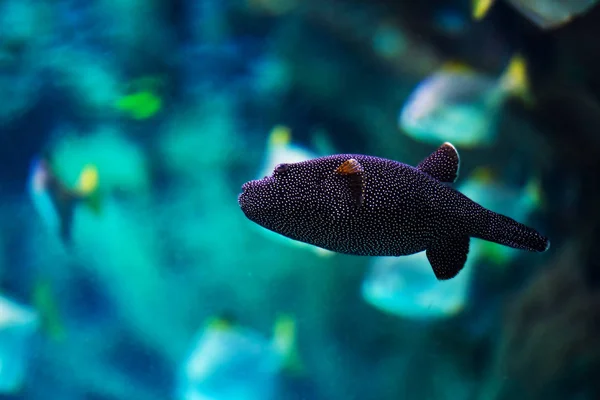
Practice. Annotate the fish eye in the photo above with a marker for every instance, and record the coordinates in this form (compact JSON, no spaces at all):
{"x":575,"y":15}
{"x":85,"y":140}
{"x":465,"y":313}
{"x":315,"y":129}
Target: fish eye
{"x":281,"y":168}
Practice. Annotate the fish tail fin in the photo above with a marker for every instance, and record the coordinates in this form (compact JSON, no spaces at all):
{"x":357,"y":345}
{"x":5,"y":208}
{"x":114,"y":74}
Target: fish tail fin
{"x":480,"y":8}
{"x":87,"y":188}
{"x":506,"y":231}
{"x":284,"y":340}
{"x":514,"y":80}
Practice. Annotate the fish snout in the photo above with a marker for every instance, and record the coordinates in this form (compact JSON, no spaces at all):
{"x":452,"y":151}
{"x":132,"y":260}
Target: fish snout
{"x":246,"y":194}
{"x":243,"y":194}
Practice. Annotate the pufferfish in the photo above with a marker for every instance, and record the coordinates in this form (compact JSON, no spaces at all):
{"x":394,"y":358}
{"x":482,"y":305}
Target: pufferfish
{"x":370,"y":206}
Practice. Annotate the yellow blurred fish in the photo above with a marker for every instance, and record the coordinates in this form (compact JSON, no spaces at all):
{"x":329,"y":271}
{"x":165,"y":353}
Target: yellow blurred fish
{"x":546,"y":14}
{"x":459,"y":105}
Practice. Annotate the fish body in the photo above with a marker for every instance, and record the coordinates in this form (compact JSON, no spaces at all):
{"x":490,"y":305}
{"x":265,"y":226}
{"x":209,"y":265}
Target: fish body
{"x":549,"y":14}
{"x":55,"y":202}
{"x":450,"y":106}
{"x":460,"y":105}
{"x":230,"y":362}
{"x":221,"y":356}
{"x":370,"y":206}
{"x":18,"y":327}
{"x":546,"y":14}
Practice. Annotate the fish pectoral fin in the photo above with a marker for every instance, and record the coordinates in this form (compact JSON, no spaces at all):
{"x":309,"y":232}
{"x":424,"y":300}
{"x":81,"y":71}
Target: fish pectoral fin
{"x":448,"y":256}
{"x":356,"y":179}
{"x":442,"y":164}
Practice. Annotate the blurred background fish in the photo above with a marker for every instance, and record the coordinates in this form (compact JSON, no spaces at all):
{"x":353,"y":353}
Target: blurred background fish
{"x":546,"y":14}
{"x":407,"y":288}
{"x":55,"y":202}
{"x":460,"y":105}
{"x":18,"y":326}
{"x":232,"y":362}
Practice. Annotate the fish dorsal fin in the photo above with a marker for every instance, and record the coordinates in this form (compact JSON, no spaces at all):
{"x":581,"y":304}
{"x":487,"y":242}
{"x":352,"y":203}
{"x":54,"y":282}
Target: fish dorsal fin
{"x":442,"y":164}
{"x":355,"y":173}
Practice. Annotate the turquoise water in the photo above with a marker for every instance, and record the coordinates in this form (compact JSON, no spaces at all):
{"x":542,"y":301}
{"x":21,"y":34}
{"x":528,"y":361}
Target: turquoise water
{"x":128,"y":270}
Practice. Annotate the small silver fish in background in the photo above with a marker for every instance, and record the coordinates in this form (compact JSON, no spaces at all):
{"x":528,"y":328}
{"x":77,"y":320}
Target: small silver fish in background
{"x":460,"y":105}
{"x":546,"y":14}
{"x":371,"y":206}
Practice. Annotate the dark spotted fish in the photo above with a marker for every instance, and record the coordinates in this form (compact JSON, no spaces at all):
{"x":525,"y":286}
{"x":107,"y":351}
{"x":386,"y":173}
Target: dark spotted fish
{"x":370,"y":206}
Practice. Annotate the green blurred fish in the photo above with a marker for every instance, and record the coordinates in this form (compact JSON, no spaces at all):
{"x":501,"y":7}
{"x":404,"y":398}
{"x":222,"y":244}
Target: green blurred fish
{"x":144,"y":100}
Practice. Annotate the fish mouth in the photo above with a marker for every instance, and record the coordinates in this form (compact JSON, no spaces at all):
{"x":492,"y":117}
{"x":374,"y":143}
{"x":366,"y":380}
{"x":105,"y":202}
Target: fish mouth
{"x":242,"y":196}
{"x":247,"y":187}
{"x":249,"y":198}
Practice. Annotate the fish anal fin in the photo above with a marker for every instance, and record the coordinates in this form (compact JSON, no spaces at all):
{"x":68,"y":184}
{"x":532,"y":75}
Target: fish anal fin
{"x":448,"y":256}
{"x":443,"y":164}
{"x":356,"y":179}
